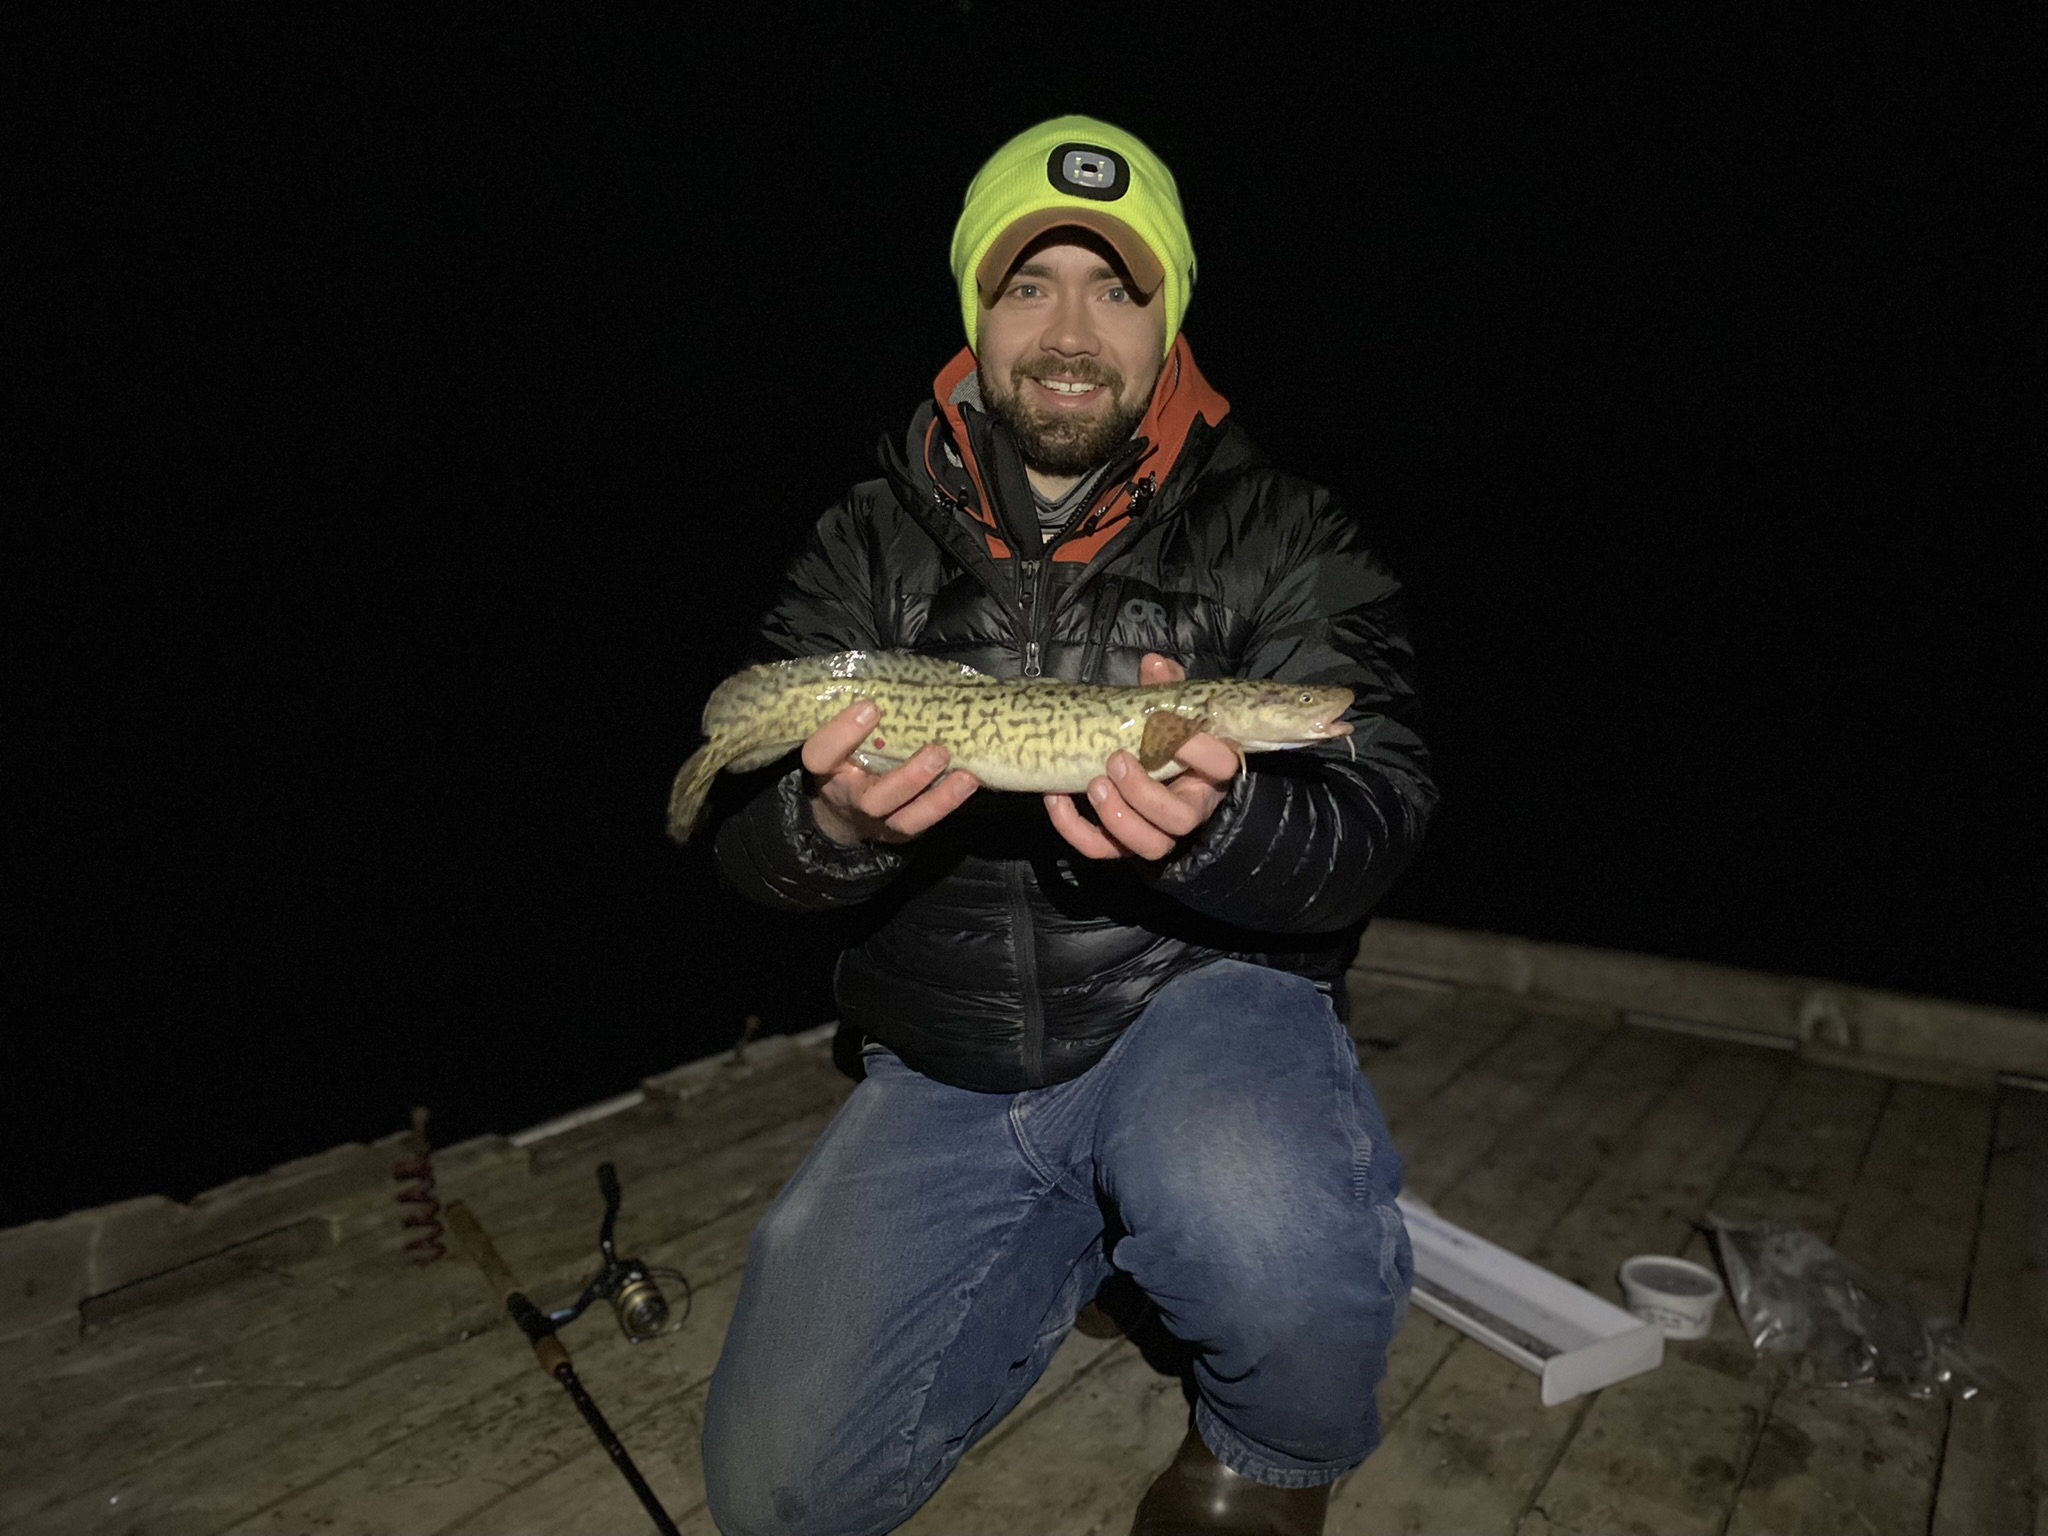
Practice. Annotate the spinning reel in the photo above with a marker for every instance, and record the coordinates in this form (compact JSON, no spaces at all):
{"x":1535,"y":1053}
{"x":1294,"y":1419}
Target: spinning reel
{"x":628,"y":1284}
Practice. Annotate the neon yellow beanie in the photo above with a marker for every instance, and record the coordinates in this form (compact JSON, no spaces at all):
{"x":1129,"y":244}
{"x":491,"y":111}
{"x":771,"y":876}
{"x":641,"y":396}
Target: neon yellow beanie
{"x":1074,"y":170}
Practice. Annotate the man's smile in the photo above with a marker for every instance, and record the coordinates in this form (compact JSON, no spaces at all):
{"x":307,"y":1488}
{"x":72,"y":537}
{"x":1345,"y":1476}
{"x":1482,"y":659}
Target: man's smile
{"x":1065,"y":390}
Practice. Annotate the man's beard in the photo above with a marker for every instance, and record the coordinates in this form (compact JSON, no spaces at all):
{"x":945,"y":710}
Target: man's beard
{"x":1065,"y":442}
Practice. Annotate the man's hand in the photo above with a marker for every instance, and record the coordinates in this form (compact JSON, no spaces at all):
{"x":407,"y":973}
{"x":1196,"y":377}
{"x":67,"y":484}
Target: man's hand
{"x":854,"y":806}
{"x":1138,"y":815}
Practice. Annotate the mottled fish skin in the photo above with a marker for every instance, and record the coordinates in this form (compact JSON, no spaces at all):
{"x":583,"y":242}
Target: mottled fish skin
{"x":1031,"y":734}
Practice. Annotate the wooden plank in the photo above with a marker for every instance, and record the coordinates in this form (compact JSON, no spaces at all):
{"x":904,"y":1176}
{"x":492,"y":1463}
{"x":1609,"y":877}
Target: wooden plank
{"x":1802,"y":1162}
{"x":1664,"y":1452}
{"x":1652,"y":1189}
{"x":1451,"y":1128}
{"x":1525,"y":1187}
{"x":1386,"y":1013}
{"x":1445,"y":1134}
{"x":1475,"y":1442}
{"x":1655,"y":1184}
{"x":1994,"y":1472}
{"x":1404,"y":1075}
{"x":1830,"y":1460}
{"x":1914,"y":1211}
{"x":1462,"y":1458}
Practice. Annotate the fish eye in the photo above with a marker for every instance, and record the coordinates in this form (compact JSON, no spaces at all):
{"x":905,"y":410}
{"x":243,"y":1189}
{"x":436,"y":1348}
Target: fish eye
{"x":1307,"y":696}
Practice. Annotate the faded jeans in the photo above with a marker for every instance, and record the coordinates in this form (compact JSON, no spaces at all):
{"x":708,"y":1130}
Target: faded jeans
{"x":910,"y":1283}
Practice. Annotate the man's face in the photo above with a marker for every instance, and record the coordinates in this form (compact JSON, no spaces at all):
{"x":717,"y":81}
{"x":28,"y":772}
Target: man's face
{"x":1068,"y":355}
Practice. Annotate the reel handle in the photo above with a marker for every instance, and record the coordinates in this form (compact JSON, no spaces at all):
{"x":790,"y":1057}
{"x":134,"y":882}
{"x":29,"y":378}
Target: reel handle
{"x":608,"y":1186}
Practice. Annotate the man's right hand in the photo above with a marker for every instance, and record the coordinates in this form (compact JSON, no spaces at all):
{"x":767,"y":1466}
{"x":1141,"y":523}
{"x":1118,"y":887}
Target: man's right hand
{"x":854,"y":806}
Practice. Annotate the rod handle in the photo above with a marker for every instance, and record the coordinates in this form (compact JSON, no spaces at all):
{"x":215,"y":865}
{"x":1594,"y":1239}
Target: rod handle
{"x":540,"y":1333}
{"x":481,"y":1250}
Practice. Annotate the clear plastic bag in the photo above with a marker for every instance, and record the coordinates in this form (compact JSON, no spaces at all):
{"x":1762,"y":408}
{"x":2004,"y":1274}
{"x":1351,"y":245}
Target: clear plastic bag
{"x":1841,"y":1323}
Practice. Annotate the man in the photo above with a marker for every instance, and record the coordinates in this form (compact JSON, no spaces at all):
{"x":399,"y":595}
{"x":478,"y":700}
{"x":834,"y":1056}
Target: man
{"x":1099,"y":1040}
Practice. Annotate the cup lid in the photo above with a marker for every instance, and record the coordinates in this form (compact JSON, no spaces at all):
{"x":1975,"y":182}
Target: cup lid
{"x":1668,"y":1275}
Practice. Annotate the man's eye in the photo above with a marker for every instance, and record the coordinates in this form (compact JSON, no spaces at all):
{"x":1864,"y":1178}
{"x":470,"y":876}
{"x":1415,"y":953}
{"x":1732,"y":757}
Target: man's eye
{"x":1024,"y":291}
{"x":1119,"y":295}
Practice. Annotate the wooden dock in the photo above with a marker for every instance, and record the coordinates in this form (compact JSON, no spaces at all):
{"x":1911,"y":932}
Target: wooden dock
{"x":311,"y":1378}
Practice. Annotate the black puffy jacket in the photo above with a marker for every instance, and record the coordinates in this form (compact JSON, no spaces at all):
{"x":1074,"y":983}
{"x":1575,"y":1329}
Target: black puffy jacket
{"x":992,"y":955}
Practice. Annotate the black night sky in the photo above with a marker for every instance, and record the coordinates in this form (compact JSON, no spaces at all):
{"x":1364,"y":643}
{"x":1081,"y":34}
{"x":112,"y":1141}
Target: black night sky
{"x":408,"y":417}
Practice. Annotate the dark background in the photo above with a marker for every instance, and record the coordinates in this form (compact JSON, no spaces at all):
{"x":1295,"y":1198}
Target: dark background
{"x":408,"y":417}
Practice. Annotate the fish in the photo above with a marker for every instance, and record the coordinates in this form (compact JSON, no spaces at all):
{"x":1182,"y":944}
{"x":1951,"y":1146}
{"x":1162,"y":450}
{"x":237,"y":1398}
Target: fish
{"x":1024,"y":734}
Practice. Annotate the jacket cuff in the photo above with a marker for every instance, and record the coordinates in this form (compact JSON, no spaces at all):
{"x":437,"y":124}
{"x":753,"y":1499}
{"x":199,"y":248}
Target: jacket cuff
{"x":772,"y":851}
{"x":1277,"y":856}
{"x":1209,"y":842}
{"x":821,"y":856}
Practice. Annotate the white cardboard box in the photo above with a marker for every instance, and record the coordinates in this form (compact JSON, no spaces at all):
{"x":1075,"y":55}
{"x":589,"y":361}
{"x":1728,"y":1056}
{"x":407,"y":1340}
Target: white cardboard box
{"x":1569,"y":1337}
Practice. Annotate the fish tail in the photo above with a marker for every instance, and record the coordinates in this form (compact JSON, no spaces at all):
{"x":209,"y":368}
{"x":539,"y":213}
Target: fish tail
{"x":692,"y":786}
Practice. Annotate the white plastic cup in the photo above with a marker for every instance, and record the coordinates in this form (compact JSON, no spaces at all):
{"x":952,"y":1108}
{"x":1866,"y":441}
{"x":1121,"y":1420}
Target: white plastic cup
{"x":1676,"y":1296}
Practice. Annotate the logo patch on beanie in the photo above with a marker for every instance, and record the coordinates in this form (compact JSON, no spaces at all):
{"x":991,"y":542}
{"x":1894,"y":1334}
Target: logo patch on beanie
{"x":1083,"y":170}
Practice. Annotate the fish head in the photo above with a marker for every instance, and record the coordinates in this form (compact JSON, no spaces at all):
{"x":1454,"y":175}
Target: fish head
{"x":1270,"y":716}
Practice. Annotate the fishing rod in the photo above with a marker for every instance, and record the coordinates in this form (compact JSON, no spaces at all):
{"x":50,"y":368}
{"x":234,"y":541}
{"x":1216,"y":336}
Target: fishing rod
{"x":637,"y":1303}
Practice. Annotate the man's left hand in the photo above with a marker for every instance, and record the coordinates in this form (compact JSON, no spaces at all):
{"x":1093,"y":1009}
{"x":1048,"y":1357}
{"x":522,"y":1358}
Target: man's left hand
{"x":1139,"y":815}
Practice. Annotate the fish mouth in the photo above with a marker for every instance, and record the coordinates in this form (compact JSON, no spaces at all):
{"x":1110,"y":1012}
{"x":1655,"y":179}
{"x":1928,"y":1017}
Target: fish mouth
{"x":1302,"y":736}
{"x":1333,"y":727}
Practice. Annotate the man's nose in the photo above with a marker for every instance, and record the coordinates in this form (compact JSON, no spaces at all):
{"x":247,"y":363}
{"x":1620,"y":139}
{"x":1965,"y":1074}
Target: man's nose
{"x":1070,"y":331}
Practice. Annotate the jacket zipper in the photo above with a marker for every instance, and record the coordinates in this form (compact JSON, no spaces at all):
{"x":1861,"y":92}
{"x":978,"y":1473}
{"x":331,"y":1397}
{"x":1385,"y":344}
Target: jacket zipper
{"x":1034,"y":577}
{"x":1023,"y":939}
{"x":1029,"y":594}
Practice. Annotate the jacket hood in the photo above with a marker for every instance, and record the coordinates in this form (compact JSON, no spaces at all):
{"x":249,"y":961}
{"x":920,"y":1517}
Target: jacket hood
{"x":1180,"y":399}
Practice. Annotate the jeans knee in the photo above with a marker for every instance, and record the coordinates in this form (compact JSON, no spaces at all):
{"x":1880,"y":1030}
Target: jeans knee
{"x":738,"y":1487}
{"x":752,"y":1487}
{"x":776,"y":1466}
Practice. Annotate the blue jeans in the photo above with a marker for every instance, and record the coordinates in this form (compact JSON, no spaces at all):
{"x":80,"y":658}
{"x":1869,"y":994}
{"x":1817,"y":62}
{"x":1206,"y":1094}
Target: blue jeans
{"x":910,"y":1283}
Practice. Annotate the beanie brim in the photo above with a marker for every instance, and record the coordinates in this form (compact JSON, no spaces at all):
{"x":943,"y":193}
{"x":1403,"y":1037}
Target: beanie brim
{"x":1146,"y":270}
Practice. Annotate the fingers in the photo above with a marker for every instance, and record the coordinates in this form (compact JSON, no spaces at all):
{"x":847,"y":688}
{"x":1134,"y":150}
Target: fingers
{"x":853,"y":805}
{"x":908,"y":800}
{"x":833,"y":742}
{"x":1136,"y":815}
{"x":933,"y":806}
{"x":1086,"y":837}
{"x":1155,"y":668}
{"x":1127,"y":800}
{"x":1217,"y":761}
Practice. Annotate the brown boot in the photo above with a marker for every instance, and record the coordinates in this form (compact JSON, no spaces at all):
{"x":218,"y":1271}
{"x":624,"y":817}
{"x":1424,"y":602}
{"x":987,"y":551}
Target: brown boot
{"x":1199,"y":1496}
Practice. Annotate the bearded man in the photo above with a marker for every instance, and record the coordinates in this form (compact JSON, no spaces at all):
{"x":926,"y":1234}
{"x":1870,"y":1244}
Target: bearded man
{"x":1102,"y":1035}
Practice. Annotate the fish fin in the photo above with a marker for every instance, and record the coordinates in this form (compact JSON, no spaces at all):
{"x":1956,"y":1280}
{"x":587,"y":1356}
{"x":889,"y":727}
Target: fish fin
{"x":877,"y":762}
{"x":693,"y":783}
{"x":1165,"y":734}
{"x":686,"y":797}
